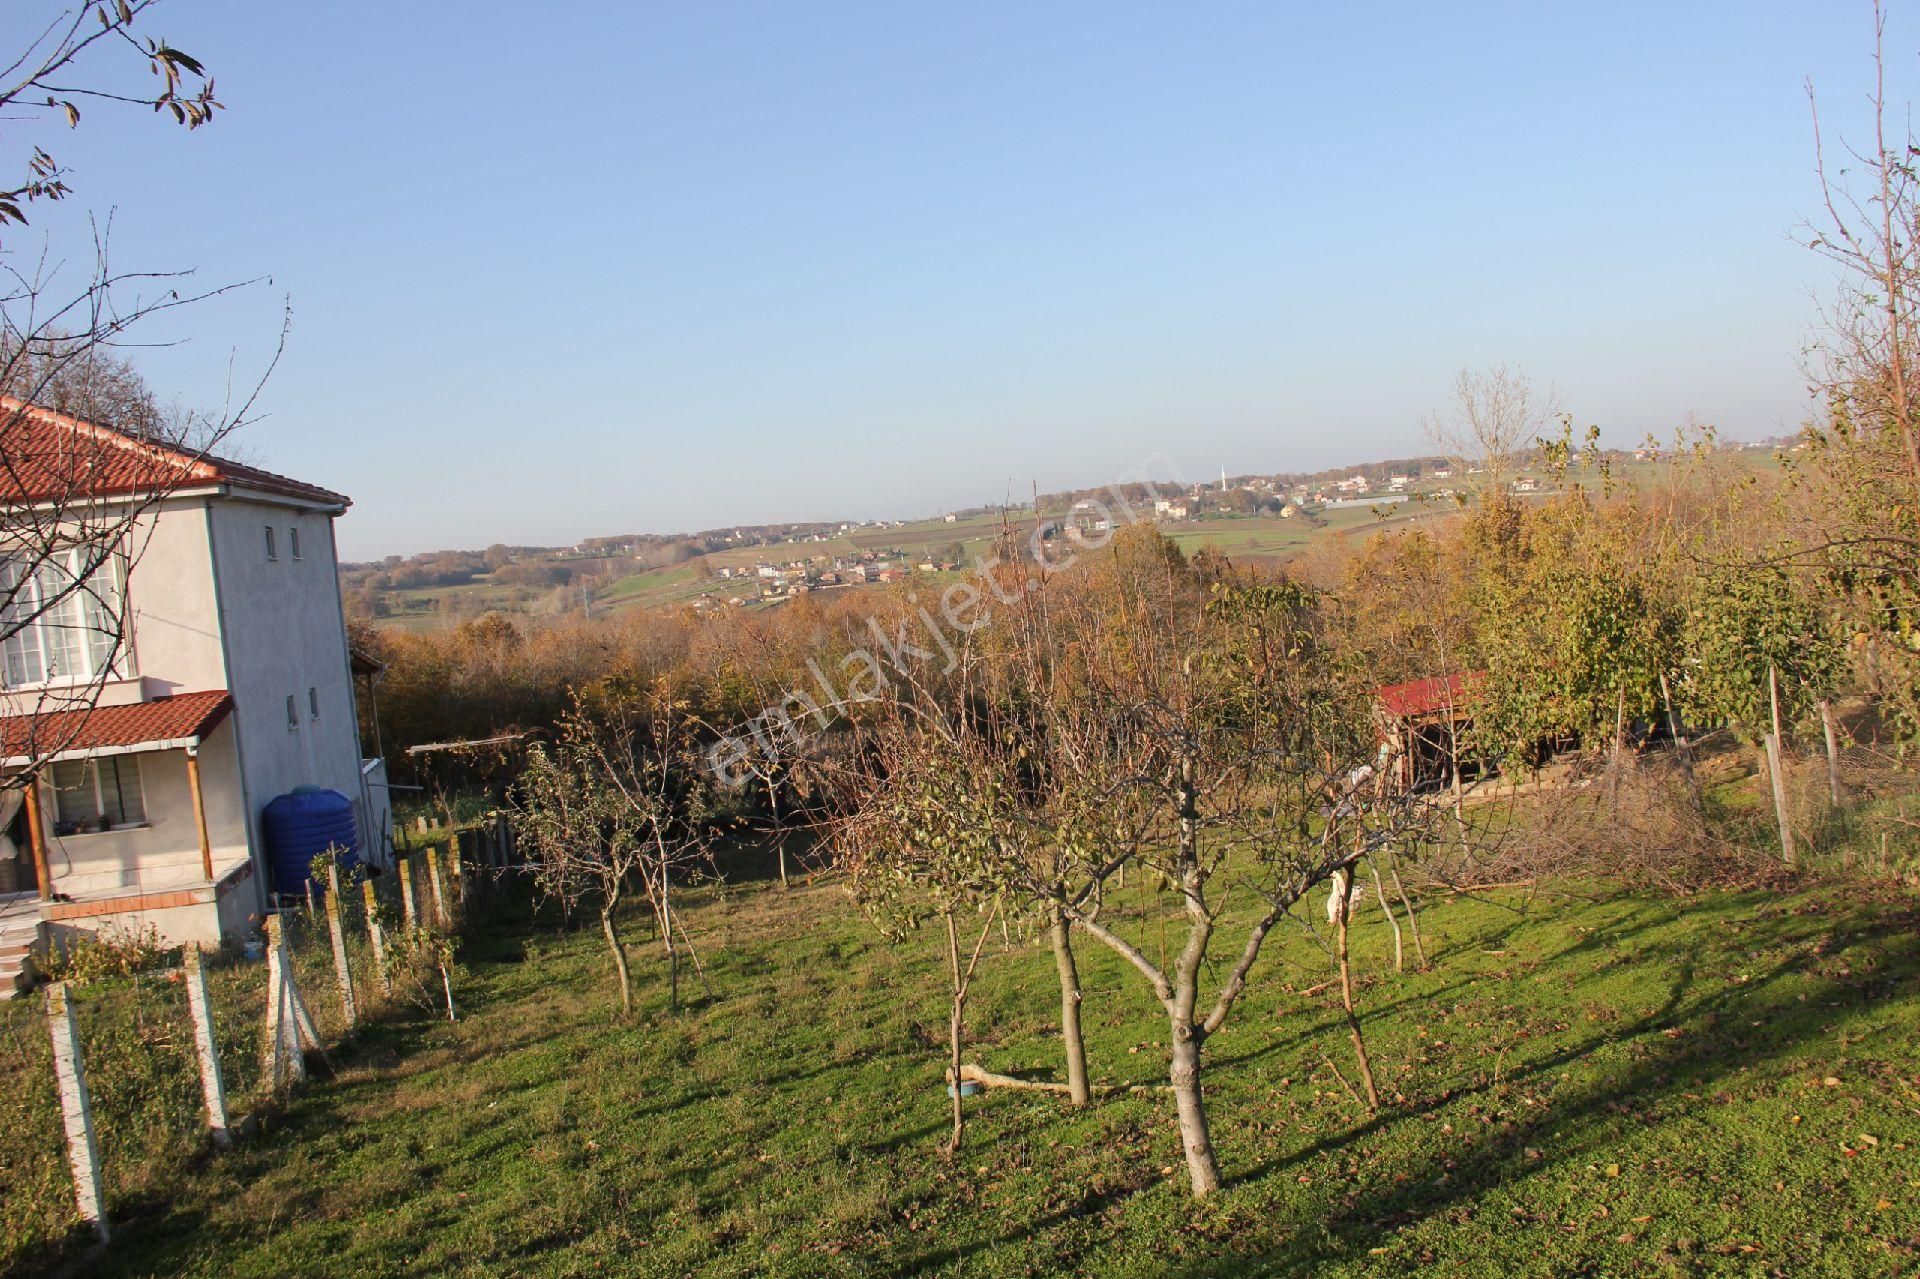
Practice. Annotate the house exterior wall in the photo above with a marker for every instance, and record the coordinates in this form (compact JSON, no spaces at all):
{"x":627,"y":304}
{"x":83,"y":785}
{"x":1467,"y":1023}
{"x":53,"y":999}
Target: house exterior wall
{"x":171,"y":601}
{"x":283,"y":634}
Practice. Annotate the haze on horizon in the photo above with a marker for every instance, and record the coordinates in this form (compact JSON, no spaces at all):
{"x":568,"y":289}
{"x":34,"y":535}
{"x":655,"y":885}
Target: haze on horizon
{"x":661,"y":268}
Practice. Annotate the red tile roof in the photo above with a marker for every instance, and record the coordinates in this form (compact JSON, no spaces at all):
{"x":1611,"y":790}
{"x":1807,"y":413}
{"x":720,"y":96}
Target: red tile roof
{"x":1425,"y":696}
{"x":48,"y":456}
{"x":164,"y":719}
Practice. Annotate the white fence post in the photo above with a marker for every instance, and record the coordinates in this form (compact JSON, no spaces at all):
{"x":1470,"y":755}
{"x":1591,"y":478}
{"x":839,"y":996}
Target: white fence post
{"x":70,"y":1074}
{"x":205,"y":1048}
{"x":376,"y":935}
{"x":457,"y":867}
{"x":289,"y":1026}
{"x":409,"y":909}
{"x":282,"y":1051}
{"x":440,"y":915}
{"x":343,"y":971}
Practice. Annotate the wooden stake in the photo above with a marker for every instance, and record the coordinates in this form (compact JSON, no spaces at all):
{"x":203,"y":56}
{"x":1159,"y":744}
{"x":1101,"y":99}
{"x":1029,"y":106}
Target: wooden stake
{"x":342,"y":970}
{"x":1776,"y":765}
{"x":1830,"y":726}
{"x":205,"y":1048}
{"x":1680,"y":743}
{"x":1619,"y":748}
{"x":70,"y":1074}
{"x":376,"y":936}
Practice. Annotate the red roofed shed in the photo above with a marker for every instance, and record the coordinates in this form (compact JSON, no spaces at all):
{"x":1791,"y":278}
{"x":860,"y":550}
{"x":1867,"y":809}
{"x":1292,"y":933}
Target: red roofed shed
{"x":1422,"y":723}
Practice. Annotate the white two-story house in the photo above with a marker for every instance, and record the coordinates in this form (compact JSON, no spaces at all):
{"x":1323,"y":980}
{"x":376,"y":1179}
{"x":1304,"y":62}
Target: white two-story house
{"x":233,"y":685}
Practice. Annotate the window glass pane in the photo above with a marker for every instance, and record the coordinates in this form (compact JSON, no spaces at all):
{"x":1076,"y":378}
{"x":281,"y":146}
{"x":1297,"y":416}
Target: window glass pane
{"x":100,"y":614}
{"x":62,"y":633}
{"x":87,"y":790}
{"x":120,"y":789}
{"x":293,"y":541}
{"x":76,"y":634}
{"x":23,"y":660}
{"x":74,"y":799}
{"x":271,"y":554}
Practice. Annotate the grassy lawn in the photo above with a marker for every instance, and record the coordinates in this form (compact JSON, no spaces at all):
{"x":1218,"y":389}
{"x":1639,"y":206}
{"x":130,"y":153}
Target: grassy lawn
{"x":1585,"y":1084}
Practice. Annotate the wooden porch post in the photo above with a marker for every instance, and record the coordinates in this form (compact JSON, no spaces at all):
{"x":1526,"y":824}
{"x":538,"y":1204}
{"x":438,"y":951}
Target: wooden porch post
{"x":36,"y":835}
{"x":200,"y":813}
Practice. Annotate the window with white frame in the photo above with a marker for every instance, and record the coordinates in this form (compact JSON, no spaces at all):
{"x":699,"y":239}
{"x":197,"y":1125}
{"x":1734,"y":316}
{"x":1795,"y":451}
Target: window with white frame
{"x":293,"y":540}
{"x":90,"y":792}
{"x":273,"y":551}
{"x":60,"y":622}
{"x":313,"y":702}
{"x":293,"y":716}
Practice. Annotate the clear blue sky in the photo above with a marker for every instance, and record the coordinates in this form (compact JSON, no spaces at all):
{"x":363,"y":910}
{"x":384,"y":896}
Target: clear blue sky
{"x":560,"y":271}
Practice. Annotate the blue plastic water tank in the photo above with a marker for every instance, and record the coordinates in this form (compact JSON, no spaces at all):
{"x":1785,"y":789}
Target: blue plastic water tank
{"x":301,"y":825}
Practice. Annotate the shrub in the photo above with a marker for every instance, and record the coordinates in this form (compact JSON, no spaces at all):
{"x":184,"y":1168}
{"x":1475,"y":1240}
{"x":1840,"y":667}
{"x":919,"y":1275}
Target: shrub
{"x":115,"y":951}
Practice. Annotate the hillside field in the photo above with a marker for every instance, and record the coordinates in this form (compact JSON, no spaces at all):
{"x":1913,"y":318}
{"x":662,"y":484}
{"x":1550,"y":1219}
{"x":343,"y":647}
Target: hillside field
{"x":1586,"y":1082}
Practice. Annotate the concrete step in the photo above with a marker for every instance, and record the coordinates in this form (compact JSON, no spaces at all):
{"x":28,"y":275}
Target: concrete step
{"x":16,"y":973}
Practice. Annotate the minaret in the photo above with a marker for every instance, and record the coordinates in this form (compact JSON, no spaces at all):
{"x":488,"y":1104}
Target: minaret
{"x":1223,"y":479}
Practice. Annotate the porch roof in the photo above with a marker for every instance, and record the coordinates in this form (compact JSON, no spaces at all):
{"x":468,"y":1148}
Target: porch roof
{"x":166,"y":723}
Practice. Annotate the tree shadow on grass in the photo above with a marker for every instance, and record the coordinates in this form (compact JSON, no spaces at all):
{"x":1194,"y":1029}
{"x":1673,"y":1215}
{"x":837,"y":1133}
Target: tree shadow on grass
{"x":1691,"y":1041}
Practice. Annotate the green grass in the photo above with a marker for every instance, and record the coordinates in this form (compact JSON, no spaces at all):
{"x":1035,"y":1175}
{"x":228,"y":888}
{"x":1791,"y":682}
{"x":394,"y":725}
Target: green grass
{"x":1584,"y":1084}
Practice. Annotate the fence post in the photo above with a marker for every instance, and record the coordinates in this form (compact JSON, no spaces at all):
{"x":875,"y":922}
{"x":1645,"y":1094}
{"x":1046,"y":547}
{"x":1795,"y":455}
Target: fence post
{"x":290,"y":1027}
{"x":343,"y":972}
{"x":409,"y":909}
{"x":457,"y":870}
{"x":439,"y":891}
{"x":70,"y":1073}
{"x":376,"y":935}
{"x":205,"y":1047}
{"x":283,"y":1061}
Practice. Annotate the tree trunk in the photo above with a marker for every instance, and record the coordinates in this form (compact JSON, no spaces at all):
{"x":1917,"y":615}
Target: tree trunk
{"x":781,"y":851}
{"x":1070,"y":1035}
{"x":962,"y":980}
{"x":666,"y":934}
{"x":1380,"y":891}
{"x":1203,"y":1169}
{"x":619,"y":949}
{"x":1346,"y":998}
{"x":954,"y":1023}
{"x":1413,"y":917}
{"x":1831,"y":727}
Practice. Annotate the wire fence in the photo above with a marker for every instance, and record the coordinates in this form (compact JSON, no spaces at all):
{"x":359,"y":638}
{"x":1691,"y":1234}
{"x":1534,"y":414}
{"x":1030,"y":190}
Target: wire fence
{"x":139,"y":1106}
